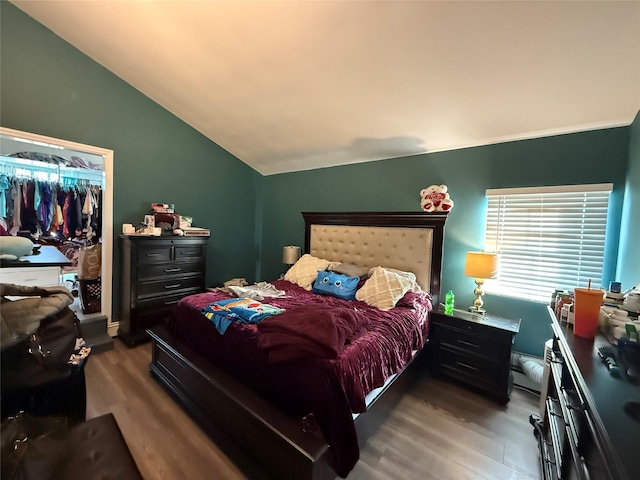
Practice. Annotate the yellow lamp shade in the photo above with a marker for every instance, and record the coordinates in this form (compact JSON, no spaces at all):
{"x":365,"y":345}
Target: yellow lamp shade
{"x":481,"y":265}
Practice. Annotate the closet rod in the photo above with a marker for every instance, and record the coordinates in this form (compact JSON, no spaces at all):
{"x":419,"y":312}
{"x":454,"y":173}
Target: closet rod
{"x":11,"y":164}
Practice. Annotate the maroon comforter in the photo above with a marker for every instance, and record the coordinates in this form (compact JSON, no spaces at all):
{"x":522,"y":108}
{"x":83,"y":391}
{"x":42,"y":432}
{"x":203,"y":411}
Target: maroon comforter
{"x":325,"y":372}
{"x":310,"y":331}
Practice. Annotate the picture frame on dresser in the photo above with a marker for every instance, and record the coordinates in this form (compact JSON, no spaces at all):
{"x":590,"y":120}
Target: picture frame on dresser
{"x":157,"y":271}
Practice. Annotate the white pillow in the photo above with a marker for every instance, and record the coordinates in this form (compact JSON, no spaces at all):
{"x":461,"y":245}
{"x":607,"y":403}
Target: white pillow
{"x":12,"y":248}
{"x":385,"y":286}
{"x":305,"y":271}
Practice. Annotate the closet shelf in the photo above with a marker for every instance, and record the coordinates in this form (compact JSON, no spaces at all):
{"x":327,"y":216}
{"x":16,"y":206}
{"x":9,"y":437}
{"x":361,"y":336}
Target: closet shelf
{"x":12,"y":166}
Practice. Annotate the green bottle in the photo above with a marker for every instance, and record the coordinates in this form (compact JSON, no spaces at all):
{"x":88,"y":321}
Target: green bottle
{"x":449,"y":300}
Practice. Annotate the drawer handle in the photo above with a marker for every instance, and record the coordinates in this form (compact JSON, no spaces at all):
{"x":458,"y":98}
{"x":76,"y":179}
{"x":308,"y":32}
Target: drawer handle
{"x":153,"y":254}
{"x":469,"y":344}
{"x":466,"y":365}
{"x":172,"y":302}
{"x":173,"y":285}
{"x":171,"y":270}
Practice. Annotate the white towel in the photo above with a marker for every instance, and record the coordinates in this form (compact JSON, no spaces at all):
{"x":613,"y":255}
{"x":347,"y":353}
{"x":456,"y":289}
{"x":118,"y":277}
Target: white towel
{"x":257,"y":291}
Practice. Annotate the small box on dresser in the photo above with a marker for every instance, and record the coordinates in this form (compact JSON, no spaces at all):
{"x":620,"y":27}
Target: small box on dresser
{"x":474,"y":349}
{"x":156,"y":273}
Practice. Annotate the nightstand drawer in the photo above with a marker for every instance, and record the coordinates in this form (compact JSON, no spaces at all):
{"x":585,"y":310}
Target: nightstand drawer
{"x":469,"y":341}
{"x":479,"y":327}
{"x":474,"y":369}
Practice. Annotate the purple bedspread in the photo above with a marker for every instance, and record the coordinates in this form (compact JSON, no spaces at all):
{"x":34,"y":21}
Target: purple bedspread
{"x":359,"y":353}
{"x":310,"y":331}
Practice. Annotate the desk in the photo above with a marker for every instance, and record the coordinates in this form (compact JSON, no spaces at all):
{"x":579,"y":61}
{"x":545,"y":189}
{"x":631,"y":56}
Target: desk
{"x":47,"y":256}
{"x":39,"y":270}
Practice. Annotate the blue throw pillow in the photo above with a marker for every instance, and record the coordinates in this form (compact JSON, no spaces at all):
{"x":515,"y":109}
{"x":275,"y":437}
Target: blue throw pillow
{"x":336,"y":285}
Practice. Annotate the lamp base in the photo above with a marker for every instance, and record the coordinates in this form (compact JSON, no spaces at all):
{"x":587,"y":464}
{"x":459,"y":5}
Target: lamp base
{"x":477,"y":303}
{"x":477,"y":310}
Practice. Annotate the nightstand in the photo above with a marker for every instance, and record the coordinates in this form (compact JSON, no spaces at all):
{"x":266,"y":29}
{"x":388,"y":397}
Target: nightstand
{"x":473,"y":349}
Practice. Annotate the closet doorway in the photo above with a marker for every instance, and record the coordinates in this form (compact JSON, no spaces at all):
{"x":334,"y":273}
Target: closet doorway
{"x":63,"y":166}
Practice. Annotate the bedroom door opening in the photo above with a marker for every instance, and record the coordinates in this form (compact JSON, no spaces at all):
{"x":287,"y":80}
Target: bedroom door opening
{"x":82,"y":173}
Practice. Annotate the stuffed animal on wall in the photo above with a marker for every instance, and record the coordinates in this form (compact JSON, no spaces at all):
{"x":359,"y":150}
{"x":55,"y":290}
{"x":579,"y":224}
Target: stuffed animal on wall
{"x":12,"y":248}
{"x":435,"y":199}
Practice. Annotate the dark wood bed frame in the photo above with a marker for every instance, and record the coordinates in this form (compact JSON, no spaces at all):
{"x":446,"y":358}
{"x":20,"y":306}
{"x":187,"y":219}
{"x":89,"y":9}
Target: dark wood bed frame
{"x":262,"y":441}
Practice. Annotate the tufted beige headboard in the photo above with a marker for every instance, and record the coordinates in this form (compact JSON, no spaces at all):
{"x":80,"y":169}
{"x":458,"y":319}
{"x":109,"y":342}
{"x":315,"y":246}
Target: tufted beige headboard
{"x":409,"y":241}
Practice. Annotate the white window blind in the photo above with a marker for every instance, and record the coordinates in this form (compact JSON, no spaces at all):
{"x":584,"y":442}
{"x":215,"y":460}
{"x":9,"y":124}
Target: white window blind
{"x":547,"y":238}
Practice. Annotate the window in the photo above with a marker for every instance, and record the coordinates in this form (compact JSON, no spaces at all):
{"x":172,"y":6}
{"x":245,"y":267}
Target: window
{"x":547,"y":238}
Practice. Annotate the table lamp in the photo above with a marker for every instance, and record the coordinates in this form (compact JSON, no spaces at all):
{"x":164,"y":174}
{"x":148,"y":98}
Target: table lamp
{"x":290,"y":255}
{"x":480,"y":265}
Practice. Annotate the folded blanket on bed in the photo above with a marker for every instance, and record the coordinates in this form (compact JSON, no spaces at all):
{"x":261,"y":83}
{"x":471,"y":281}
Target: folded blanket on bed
{"x":310,"y":331}
{"x":245,"y":310}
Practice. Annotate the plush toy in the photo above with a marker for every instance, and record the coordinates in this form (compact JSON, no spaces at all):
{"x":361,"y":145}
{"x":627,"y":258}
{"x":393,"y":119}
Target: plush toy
{"x":12,"y":248}
{"x":336,"y":285}
{"x":435,"y":198}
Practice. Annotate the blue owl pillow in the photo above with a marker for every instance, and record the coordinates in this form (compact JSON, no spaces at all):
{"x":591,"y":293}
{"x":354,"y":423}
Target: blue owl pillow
{"x":336,"y":285}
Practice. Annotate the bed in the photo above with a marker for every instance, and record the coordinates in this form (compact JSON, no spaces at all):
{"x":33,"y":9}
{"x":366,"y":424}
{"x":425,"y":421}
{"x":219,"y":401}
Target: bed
{"x":239,"y":392}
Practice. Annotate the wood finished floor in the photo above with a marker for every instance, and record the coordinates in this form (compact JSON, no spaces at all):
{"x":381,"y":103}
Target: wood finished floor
{"x":439,"y":430}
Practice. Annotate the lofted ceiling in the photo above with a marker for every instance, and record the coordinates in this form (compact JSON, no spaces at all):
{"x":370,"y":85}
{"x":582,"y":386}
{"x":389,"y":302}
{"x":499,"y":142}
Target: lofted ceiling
{"x":298,"y":85}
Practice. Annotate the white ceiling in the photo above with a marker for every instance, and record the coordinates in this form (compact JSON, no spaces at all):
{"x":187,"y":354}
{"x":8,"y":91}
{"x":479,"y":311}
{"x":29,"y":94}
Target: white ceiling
{"x":288,"y":86}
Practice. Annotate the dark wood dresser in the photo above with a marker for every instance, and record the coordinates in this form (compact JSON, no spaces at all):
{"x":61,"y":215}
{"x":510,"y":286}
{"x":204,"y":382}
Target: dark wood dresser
{"x":588,"y":431}
{"x":156,"y":273}
{"x":474,"y":349}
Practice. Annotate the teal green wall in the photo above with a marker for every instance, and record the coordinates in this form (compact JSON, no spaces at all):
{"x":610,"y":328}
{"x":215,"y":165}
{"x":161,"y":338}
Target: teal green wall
{"x":588,"y":157}
{"x":50,"y":88}
{"x":629,"y":257}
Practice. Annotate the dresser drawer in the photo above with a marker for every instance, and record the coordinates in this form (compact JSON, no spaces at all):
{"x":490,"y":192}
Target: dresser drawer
{"x":149,"y":254}
{"x":169,"y":285}
{"x":156,"y":312}
{"x":157,"y":272}
{"x":189,"y":253}
{"x":169,"y":252}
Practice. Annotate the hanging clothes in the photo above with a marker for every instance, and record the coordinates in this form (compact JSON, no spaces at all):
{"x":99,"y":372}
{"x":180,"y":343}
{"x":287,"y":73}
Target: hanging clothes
{"x":78,"y":211}
{"x":28,"y":214}
{"x":46,"y":208}
{"x":4,"y":189}
{"x":14,"y":206}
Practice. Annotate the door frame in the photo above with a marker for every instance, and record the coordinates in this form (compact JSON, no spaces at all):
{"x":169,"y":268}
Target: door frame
{"x":107,"y":212}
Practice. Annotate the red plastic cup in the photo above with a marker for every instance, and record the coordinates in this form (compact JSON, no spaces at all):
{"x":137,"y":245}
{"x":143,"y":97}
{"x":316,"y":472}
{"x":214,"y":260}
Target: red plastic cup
{"x":586,"y":308}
